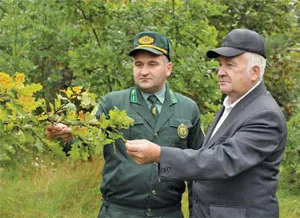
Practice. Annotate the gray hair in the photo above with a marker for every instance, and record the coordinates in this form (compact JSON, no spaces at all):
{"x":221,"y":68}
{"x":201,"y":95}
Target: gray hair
{"x":256,"y":60}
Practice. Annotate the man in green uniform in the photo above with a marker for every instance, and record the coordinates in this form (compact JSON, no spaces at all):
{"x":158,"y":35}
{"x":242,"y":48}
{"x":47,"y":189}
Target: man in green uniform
{"x":161,"y":116}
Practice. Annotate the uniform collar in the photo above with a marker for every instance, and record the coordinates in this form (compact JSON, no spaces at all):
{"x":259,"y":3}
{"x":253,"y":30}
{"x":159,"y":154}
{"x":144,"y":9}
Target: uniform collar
{"x":136,"y":95}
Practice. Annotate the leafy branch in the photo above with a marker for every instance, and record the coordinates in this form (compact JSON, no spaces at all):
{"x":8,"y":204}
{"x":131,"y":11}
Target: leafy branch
{"x":23,"y":118}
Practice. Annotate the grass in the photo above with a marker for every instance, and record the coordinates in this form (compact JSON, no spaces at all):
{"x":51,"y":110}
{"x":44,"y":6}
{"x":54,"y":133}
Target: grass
{"x":289,"y":199}
{"x":59,"y":188}
{"x":46,"y":188}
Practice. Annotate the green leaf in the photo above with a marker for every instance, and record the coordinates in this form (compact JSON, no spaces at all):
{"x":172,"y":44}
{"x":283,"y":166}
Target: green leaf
{"x":30,"y":89}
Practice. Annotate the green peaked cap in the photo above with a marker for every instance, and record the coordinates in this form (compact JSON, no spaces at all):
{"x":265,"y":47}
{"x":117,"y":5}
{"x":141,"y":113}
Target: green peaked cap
{"x":153,"y":42}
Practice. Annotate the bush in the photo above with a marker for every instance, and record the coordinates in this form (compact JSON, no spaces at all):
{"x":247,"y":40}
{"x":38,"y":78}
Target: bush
{"x":291,"y":160}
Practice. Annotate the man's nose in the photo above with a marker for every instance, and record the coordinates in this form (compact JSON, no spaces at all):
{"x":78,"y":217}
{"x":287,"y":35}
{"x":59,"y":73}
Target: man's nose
{"x":144,"y":70}
{"x":221,"y":71}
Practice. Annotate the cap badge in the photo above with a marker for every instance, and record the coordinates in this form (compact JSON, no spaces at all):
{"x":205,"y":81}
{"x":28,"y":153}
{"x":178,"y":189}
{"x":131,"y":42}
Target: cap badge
{"x":182,"y":131}
{"x":146,"y":40}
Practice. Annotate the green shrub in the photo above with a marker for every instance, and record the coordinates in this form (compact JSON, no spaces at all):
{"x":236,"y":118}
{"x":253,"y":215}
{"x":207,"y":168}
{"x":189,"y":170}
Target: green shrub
{"x":291,"y":160}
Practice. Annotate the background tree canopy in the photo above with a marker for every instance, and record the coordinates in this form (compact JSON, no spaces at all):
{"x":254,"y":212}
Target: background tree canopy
{"x":62,"y":43}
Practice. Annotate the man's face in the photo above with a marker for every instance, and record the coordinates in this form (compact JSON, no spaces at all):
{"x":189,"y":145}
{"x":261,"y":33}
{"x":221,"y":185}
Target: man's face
{"x":150,"y":71}
{"x":234,"y":76}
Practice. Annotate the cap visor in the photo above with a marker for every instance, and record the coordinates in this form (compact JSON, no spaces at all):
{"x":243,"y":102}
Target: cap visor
{"x":151,"y":50}
{"x":224,"y":51}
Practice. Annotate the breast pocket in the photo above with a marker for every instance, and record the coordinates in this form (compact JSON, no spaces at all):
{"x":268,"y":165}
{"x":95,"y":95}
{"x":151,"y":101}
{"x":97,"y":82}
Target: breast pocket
{"x":178,"y":132}
{"x":135,"y":131}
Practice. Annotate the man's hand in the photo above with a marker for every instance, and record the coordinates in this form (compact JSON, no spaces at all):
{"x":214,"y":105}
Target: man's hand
{"x":143,"y":151}
{"x":59,"y":131}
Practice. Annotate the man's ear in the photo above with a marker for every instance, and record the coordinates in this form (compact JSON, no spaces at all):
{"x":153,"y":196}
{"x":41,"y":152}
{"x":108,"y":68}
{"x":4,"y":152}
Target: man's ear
{"x":169,"y":68}
{"x":255,"y":73}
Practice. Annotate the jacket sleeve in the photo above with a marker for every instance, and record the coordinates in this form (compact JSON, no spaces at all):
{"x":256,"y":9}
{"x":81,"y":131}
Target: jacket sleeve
{"x":251,"y":143}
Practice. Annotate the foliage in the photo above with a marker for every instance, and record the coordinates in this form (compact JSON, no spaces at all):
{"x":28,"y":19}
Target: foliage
{"x":291,"y":159}
{"x":85,"y":43}
{"x":19,"y":126}
{"x":283,"y":66}
{"x":263,"y":16}
{"x":207,"y":118}
{"x":23,"y":116}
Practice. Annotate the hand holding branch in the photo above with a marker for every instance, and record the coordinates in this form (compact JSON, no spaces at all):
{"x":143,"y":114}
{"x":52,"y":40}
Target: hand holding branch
{"x":59,"y":131}
{"x":143,"y":151}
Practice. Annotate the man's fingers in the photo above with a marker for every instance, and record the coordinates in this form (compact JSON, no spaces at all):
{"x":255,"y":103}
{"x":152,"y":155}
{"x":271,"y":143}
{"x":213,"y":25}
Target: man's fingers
{"x":132,"y":152}
{"x":138,"y":160}
{"x":53,"y":128}
{"x":130,"y":146}
{"x":65,"y":137}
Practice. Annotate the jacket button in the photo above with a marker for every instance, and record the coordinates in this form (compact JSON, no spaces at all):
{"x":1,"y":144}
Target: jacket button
{"x":155,"y":135}
{"x":162,"y":169}
{"x":153,"y":192}
{"x":148,"y":213}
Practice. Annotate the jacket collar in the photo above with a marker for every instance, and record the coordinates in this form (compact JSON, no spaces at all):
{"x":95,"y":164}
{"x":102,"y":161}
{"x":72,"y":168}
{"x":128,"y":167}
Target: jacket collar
{"x":137,"y":98}
{"x":231,"y":118}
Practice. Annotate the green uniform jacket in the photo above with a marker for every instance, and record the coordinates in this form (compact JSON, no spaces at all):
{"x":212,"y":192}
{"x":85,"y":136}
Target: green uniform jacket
{"x":137,"y":186}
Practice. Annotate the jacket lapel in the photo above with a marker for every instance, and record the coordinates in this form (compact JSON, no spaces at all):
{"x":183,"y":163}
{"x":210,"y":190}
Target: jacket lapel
{"x":167,"y":109}
{"x":212,"y":127}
